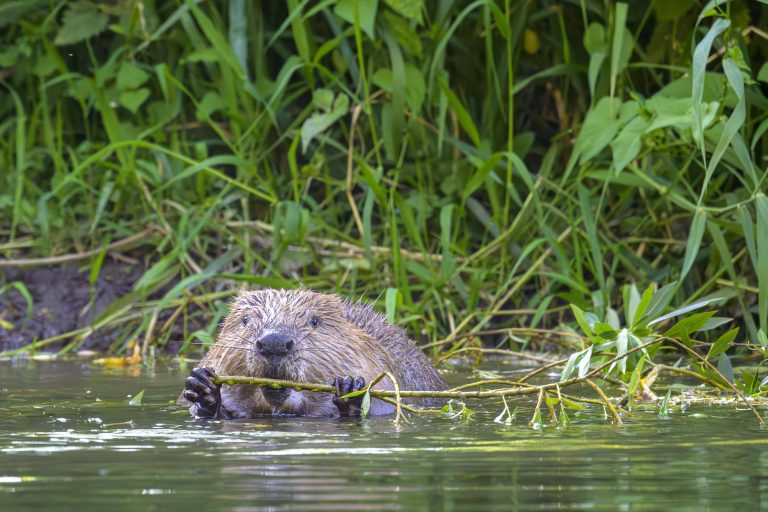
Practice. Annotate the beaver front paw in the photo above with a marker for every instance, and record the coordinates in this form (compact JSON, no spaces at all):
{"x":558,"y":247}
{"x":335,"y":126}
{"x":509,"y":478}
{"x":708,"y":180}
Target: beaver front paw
{"x":204,"y":394}
{"x":345,"y":385}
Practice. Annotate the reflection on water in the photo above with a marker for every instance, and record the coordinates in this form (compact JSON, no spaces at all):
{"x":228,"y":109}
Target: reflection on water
{"x":70,"y":441}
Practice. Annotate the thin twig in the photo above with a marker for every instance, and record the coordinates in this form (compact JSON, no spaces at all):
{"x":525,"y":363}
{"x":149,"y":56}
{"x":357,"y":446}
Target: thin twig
{"x":79,"y":256}
{"x":614,"y":413}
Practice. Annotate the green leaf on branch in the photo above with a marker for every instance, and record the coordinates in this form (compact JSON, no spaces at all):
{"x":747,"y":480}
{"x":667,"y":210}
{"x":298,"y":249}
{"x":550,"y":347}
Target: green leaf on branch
{"x":689,"y":325}
{"x":723,"y":343}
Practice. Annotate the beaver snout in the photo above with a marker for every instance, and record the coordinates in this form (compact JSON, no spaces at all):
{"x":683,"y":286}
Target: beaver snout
{"x":274,"y":345}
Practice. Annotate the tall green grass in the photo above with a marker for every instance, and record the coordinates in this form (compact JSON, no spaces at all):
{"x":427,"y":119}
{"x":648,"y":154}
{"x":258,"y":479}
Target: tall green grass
{"x":471,"y":164}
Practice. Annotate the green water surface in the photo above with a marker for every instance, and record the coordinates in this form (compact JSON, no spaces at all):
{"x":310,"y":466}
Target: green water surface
{"x":70,"y":441}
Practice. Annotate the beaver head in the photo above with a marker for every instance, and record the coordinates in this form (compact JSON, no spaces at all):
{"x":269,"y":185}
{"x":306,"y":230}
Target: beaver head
{"x":295,"y":335}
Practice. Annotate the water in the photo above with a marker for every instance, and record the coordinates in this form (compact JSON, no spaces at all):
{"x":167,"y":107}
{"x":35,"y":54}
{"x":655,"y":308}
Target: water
{"x":70,"y":441}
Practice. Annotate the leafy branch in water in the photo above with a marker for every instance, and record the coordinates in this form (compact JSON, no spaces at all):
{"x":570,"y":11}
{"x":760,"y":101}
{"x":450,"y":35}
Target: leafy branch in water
{"x":612,"y":352}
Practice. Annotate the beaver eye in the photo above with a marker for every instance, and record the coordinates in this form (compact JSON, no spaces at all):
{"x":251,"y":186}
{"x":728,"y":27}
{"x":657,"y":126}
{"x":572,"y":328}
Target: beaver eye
{"x":313,"y":321}
{"x":245,"y":320}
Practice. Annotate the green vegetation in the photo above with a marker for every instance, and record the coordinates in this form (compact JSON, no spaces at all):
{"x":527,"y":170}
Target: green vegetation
{"x":483,"y":165}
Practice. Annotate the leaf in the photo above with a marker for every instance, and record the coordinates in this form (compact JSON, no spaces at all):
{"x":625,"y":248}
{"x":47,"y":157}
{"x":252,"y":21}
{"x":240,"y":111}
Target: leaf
{"x":400,"y":29}
{"x":136,"y":400}
{"x":762,"y":75}
{"x":573,"y":359}
{"x":585,"y":361}
{"x":761,"y":263}
{"x":392,"y":301}
{"x":365,"y":405}
{"x":411,"y":9}
{"x":593,"y":240}
{"x":732,"y":125}
{"x":620,"y":45}
{"x":366,"y":13}
{"x":660,"y":301}
{"x":594,"y":38}
{"x":664,"y":408}
{"x":82,"y":20}
{"x":132,"y":100}
{"x":725,"y":367}
{"x":599,"y":128}
{"x":323,"y":99}
{"x":626,"y":146}
{"x":447,"y":265}
{"x":641,"y":308}
{"x":581,"y":320}
{"x":415,"y":89}
{"x":685,"y":309}
{"x":694,"y":240}
{"x":211,"y":102}
{"x":699,"y":66}
{"x":465,"y":119}
{"x":622,"y":342}
{"x":11,"y":10}
{"x":689,"y":325}
{"x":131,"y":77}
{"x":723,"y":343}
{"x":319,"y":122}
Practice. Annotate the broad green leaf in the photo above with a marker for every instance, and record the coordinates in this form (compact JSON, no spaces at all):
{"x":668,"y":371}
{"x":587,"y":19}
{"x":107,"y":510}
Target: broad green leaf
{"x":715,"y":322}
{"x":366,"y":14}
{"x":132,"y":100}
{"x":365,"y":406}
{"x":131,"y":76}
{"x":82,"y":20}
{"x":581,"y":320}
{"x":574,"y":360}
{"x":211,"y":102}
{"x":319,"y":122}
{"x":599,"y":128}
{"x":689,"y":325}
{"x":411,"y":9}
{"x":723,"y":343}
{"x":594,"y":38}
{"x":626,"y":146}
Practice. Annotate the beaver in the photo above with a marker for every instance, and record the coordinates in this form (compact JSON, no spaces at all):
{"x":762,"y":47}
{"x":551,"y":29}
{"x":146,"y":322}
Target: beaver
{"x":302,"y":335}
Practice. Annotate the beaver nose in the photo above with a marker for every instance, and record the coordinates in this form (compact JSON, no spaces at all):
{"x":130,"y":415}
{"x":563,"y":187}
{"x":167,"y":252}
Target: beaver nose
{"x":274,"y":345}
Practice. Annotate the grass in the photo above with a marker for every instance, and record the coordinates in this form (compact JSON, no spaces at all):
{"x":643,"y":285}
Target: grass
{"x":475,"y":166}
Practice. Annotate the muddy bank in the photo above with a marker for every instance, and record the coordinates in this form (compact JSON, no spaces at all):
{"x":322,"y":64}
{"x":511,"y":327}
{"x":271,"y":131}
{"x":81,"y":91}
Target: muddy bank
{"x":62,"y":300}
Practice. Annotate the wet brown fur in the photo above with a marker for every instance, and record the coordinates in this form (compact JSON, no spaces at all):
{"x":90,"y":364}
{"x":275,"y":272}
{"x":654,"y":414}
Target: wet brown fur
{"x":351,"y":339}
